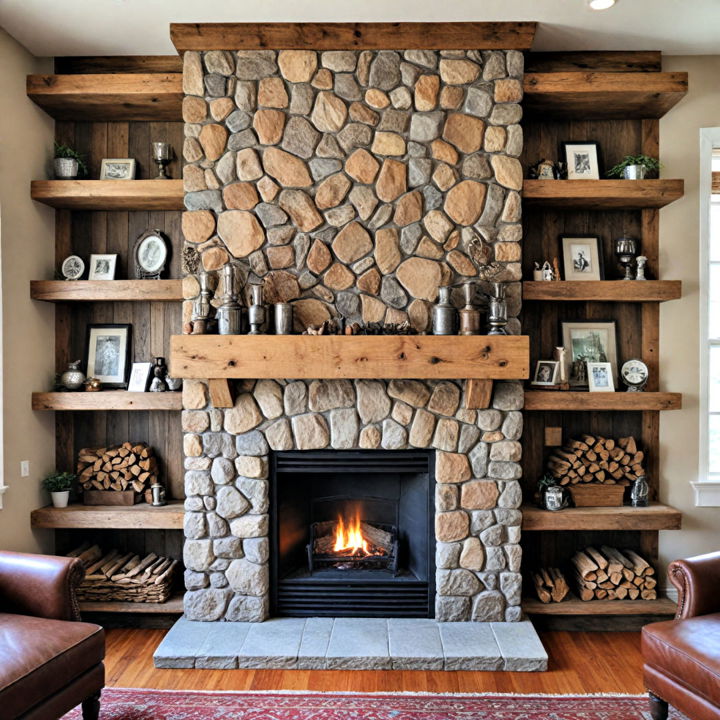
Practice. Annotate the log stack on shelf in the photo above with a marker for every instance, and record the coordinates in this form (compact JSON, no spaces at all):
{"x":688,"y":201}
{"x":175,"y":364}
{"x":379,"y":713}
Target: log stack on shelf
{"x":611,"y":574}
{"x":550,"y":585}
{"x":124,"y":577}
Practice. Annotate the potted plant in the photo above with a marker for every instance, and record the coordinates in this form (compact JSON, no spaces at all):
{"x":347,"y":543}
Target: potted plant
{"x":59,"y":485}
{"x":634,"y":167}
{"x":68,"y":163}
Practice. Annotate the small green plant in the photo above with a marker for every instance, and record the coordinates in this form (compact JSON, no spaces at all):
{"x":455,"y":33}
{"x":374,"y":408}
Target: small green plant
{"x":650,"y":164}
{"x":64,"y":151}
{"x":58,"y":482}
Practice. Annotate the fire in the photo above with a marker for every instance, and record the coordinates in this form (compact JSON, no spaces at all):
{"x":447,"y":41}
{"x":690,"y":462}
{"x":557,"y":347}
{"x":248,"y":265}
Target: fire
{"x":349,"y":538}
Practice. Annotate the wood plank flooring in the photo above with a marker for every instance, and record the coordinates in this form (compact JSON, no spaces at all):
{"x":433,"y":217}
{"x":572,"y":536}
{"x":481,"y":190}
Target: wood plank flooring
{"x":580,"y":662}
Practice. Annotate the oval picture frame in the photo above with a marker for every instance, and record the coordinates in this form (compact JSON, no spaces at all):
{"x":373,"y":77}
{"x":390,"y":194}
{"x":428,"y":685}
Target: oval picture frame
{"x":73,"y":267}
{"x":152,"y":250}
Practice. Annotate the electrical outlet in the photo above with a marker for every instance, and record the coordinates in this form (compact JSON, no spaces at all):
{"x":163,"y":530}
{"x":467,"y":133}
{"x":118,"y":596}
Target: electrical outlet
{"x":24,"y":468}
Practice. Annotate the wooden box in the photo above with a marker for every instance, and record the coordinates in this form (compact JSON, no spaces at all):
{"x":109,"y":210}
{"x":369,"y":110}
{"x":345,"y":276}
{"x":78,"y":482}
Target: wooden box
{"x":111,"y":497}
{"x":597,"y":495}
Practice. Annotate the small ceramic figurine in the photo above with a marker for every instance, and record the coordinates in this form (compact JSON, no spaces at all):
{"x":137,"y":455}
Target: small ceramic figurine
{"x":548,"y":274}
{"x":640,"y":261}
{"x":159,"y":374}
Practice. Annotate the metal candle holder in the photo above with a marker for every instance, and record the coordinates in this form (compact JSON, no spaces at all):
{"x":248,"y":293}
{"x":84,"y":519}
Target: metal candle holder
{"x":444,"y":315}
{"x":469,"y":315}
{"x":498,"y":310}
{"x":256,"y":311}
{"x":162,"y":155}
{"x":202,"y":307}
{"x":626,"y":250}
{"x":229,"y":314}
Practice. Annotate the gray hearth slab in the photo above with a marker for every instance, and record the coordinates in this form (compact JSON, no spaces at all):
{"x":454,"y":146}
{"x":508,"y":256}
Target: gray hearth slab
{"x":352,"y":644}
{"x":520,"y":646}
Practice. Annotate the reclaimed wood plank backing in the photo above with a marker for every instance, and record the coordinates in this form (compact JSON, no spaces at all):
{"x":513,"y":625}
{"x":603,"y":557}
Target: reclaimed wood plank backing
{"x":118,"y":64}
{"x":618,"y":61}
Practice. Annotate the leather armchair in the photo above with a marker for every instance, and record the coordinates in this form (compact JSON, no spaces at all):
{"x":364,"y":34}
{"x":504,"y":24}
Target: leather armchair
{"x":49,"y":661}
{"x":682,"y":656}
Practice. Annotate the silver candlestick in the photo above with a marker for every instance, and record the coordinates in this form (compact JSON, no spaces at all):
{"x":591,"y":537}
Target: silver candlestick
{"x":162,"y":155}
{"x":498,"y":310}
{"x":256,"y":311}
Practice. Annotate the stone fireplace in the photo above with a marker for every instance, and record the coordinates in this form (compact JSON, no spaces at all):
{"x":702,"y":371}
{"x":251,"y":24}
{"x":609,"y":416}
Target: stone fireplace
{"x":354,"y":184}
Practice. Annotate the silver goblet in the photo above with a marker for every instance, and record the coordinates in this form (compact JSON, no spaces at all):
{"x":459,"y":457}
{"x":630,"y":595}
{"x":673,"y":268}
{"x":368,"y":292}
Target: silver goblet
{"x":626,"y":250}
{"x":162,"y":155}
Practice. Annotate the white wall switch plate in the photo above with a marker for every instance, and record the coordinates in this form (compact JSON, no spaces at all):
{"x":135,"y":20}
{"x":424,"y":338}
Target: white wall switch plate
{"x":24,"y":468}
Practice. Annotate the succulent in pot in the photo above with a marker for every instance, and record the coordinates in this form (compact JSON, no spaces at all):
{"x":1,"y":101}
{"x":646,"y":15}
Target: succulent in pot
{"x":634,"y":167}
{"x":68,"y":163}
{"x":59,"y":485}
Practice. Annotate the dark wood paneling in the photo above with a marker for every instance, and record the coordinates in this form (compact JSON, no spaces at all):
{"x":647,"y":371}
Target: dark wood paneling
{"x":613,"y":61}
{"x":118,"y":64}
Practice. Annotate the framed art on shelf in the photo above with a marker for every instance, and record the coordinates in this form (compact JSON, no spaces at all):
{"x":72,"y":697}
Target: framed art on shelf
{"x":108,"y":353}
{"x":600,"y":377}
{"x":102,"y":267}
{"x":582,"y":257}
{"x":589,"y":342}
{"x":117,"y":169}
{"x":546,"y":372}
{"x":139,"y":377}
{"x":582,"y":160}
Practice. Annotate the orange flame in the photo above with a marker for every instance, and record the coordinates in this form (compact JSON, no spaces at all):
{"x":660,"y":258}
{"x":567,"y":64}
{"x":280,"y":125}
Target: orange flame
{"x":349,"y":538}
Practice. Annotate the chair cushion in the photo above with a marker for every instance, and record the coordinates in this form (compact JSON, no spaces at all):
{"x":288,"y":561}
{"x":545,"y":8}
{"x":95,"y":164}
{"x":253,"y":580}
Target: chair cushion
{"x":38,"y":657}
{"x":688,"y":651}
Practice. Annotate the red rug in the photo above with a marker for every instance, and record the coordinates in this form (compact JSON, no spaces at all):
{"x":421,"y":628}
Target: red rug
{"x":128,"y":704}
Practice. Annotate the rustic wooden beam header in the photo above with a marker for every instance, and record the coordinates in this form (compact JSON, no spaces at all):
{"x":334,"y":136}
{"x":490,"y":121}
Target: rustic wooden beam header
{"x":353,"y":36}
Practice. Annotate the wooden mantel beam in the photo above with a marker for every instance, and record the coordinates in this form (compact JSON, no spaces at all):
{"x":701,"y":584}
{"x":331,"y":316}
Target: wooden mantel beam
{"x":353,"y":36}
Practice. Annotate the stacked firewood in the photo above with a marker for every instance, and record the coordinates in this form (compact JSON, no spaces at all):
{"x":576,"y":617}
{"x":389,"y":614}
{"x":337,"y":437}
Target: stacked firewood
{"x":550,"y":585}
{"x":114,"y":576}
{"x":597,"y":459}
{"x":120,"y":467}
{"x":609,"y":574}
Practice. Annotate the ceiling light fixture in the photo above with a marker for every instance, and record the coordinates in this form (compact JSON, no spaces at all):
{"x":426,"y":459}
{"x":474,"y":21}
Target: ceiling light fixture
{"x":601,"y":4}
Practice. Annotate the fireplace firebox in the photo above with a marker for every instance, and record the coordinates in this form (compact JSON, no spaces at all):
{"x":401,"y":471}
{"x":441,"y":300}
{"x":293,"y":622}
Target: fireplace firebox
{"x":353,"y":533}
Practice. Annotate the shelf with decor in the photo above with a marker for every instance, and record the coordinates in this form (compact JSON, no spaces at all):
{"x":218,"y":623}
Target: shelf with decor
{"x":574,"y":606}
{"x":103,"y":517}
{"x":109,"y":194}
{"x":104,"y":400}
{"x":561,"y":400}
{"x":602,"y":290}
{"x":654,"y":517}
{"x":106,"y":290}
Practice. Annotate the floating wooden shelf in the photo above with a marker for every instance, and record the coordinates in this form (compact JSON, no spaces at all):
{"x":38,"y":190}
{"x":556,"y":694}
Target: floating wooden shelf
{"x":109,"y":194}
{"x":574,"y":606}
{"x":106,"y":290}
{"x":174,"y":606}
{"x":603,"y":95}
{"x":587,"y":401}
{"x":361,"y":356}
{"x":654,"y":517}
{"x":602,"y":194}
{"x":154,"y":97}
{"x":603,"y":290}
{"x":107,"y":400}
{"x":111,"y":517}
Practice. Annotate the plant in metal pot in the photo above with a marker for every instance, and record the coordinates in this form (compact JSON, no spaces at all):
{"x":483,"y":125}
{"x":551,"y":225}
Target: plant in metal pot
{"x":59,"y":485}
{"x":68,"y":163}
{"x":635,"y":167}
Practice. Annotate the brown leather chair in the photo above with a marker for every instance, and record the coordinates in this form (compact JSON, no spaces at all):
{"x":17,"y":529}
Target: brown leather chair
{"x":49,"y":662}
{"x":682,"y":656}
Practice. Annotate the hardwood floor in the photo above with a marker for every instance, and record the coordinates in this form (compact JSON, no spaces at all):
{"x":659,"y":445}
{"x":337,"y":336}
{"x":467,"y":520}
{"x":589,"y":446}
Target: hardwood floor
{"x":580,"y":662}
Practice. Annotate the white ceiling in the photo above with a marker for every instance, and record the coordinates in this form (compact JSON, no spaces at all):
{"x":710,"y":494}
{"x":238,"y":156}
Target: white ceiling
{"x":140,"y":27}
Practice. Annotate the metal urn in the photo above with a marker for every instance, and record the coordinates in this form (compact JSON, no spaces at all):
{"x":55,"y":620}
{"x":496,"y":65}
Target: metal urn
{"x":229,"y":314}
{"x":469,"y":315}
{"x":444,"y":315}
{"x":202,"y":307}
{"x":626,"y":249}
{"x":256,"y":312}
{"x":73,"y":378}
{"x":283,"y":318}
{"x":640,"y":492}
{"x":162,"y":155}
{"x":498,"y":310}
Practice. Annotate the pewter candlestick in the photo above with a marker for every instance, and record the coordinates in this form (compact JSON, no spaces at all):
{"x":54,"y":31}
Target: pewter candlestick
{"x":162,"y":155}
{"x":256,"y":311}
{"x":498,"y":310}
{"x":626,"y":250}
{"x":469,"y":315}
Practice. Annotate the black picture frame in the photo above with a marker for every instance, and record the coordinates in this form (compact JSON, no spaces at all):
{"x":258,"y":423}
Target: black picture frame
{"x":566,"y":154}
{"x":598,"y":253}
{"x":113,"y":367}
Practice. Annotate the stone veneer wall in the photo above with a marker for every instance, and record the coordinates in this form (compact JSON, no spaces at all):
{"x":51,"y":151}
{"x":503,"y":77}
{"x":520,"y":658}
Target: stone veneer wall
{"x":354,"y":183}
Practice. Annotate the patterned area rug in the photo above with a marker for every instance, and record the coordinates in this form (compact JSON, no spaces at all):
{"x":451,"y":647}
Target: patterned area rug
{"x":128,"y":704}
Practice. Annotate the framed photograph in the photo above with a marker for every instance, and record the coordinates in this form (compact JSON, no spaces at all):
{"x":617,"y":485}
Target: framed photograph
{"x":108,"y":353}
{"x":582,"y":257}
{"x":140,"y":377}
{"x":151,"y":254}
{"x":546,"y":372}
{"x":582,"y":160}
{"x":102,"y":267}
{"x":117,"y":169}
{"x":73,"y":267}
{"x":600,"y":377}
{"x":589,"y":342}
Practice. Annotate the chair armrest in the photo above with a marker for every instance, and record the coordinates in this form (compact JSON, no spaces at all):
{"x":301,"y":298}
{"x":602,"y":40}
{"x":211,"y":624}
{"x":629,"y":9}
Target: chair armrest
{"x":698,"y":582}
{"x":40,"y":585}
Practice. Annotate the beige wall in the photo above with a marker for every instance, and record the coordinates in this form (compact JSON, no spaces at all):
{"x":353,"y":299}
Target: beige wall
{"x":679,"y":243}
{"x":27,"y":252}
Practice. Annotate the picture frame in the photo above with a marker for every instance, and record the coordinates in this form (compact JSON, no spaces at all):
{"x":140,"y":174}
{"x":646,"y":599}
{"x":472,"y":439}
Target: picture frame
{"x":546,"y":372}
{"x":582,"y":257}
{"x":117,"y":169}
{"x":152,"y":251}
{"x":139,"y":377}
{"x":582,"y":160}
{"x":594,"y":342}
{"x":600,"y":377}
{"x":73,"y":267}
{"x":107,"y":353}
{"x":102,"y":267}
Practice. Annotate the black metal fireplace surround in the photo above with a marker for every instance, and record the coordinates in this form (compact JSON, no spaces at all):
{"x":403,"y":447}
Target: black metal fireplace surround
{"x":387,"y":488}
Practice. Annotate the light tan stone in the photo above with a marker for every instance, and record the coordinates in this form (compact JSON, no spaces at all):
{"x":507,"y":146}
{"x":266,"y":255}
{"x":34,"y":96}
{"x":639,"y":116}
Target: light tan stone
{"x":512,"y":212}
{"x":214,"y":258}
{"x":373,"y":310}
{"x":472,"y":556}
{"x":402,"y":413}
{"x":453,"y":241}
{"x":420,"y":277}
{"x":192,"y":150}
{"x":190,"y":287}
{"x":213,"y":139}
{"x":310,"y":432}
{"x":492,"y":436}
{"x":451,"y":97}
{"x":192,"y":446}
{"x":247,"y":165}
{"x":220,"y":108}
{"x":194,"y":421}
{"x":495,"y":137}
{"x":319,"y":257}
{"x":444,"y":176}
{"x":444,"y":152}
{"x":370,"y":437}
{"x":376,"y":98}
{"x":329,"y":112}
{"x":388,"y":143}
{"x":243,"y":416}
{"x":287,"y":169}
{"x":451,"y":526}
{"x":438,"y":225}
{"x":211,"y":180}
{"x":452,"y":467}
{"x":410,"y":392}
{"x":193,"y":178}
{"x":464,"y":203}
{"x":422,"y":428}
{"x":309,"y":311}
{"x":446,"y":434}
{"x":508,"y":252}
{"x":445,"y":399}
{"x":301,"y":209}
{"x":251,"y":467}
{"x":322,"y":80}
{"x":272,"y":93}
{"x":194,"y":395}
{"x":338,"y":277}
{"x":369,"y":281}
{"x":392,"y":181}
{"x":362,"y":166}
{"x":280,"y":286}
{"x":479,"y":495}
{"x":362,"y":113}
{"x":428,"y":249}
{"x":327,"y":395}
{"x":297,"y":66}
{"x":198,"y":225}
{"x":461,"y":263}
{"x":332,"y":191}
{"x":193,"y":74}
{"x":280,"y":256}
{"x":508,"y":171}
{"x":458,"y":72}
{"x":194,"y":109}
{"x":393,"y":316}
{"x":240,"y":196}
{"x":352,"y":243}
{"x":268,"y":188}
{"x":419,"y":315}
{"x":427,"y":88}
{"x":465,"y":132}
{"x":408,"y":208}
{"x":387,"y":250}
{"x":269,"y":126}
{"x":508,"y":90}
{"x":241,"y":232}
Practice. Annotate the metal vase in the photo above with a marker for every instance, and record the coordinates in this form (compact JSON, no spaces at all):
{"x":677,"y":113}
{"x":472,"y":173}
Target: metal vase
{"x":469,"y":315}
{"x":444,"y":315}
{"x":498,"y":310}
{"x":634,"y":172}
{"x":229,"y":314}
{"x":66,"y":168}
{"x":283,"y":319}
{"x":256,"y":312}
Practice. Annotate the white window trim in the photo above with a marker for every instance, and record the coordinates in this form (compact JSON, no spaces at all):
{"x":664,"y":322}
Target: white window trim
{"x":707,"y":488}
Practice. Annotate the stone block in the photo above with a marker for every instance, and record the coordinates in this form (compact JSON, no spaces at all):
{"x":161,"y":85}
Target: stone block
{"x":414,"y":644}
{"x":452,"y":609}
{"x":274,"y":643}
{"x":248,"y":578}
{"x":314,"y":643}
{"x":207,"y":605}
{"x":344,"y":428}
{"x":359,"y":643}
{"x":250,"y":526}
{"x":520,"y":646}
{"x":469,"y":646}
